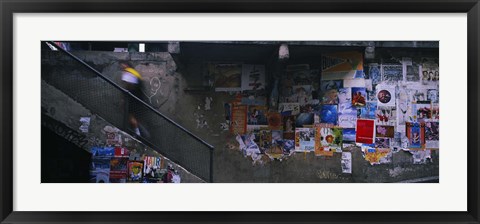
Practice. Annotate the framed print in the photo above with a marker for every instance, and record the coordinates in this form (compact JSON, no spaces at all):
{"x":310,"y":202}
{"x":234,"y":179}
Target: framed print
{"x":245,"y":112}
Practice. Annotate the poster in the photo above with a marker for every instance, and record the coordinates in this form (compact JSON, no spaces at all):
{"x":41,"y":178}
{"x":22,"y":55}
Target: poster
{"x":342,"y":65}
{"x":348,"y":137}
{"x":412,"y":72}
{"x":331,"y":137}
{"x":135,"y":171}
{"x":374,"y":73}
{"x":304,"y":139}
{"x":382,"y":143}
{"x":274,"y":121}
{"x":329,"y":114}
{"x":377,"y":156}
{"x":385,"y":131}
{"x":345,"y":95}
{"x":433,"y":95}
{"x":289,"y":127}
{"x":430,"y":70}
{"x":386,"y":115}
{"x":257,"y":115}
{"x":321,"y":150}
{"x":253,"y":77}
{"x":346,"y":162}
{"x":432,"y":135}
{"x":100,"y":170}
{"x":416,"y":135}
{"x":118,"y":170}
{"x":287,"y":109}
{"x":304,"y":119}
{"x":347,"y":115}
{"x":386,"y":95}
{"x":365,"y":131}
{"x":422,"y":111}
{"x":302,"y":94}
{"x":368,"y":111}
{"x":228,"y":77}
{"x":359,"y":96}
{"x":239,"y":119}
{"x":265,"y":140}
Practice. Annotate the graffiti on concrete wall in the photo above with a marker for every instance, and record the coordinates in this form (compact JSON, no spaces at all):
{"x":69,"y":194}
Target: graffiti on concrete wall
{"x":64,"y":131}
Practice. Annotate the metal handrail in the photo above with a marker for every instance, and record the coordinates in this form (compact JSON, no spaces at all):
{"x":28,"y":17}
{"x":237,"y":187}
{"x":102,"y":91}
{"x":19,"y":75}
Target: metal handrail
{"x":129,"y":93}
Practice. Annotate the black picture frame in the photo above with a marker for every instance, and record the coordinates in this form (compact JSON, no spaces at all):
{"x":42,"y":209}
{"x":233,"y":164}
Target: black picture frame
{"x":9,"y":7}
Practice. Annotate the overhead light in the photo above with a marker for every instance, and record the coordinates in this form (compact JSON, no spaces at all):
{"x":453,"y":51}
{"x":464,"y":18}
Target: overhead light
{"x":283,"y":53}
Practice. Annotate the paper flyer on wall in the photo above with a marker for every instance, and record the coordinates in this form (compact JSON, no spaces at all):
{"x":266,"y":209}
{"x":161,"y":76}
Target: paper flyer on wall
{"x":432,"y":135}
{"x":118,"y":170}
{"x":332,"y":138}
{"x":365,"y":131}
{"x":135,"y":171}
{"x":346,"y":162}
{"x":386,"y":95}
{"x":253,"y":77}
{"x":304,"y":139}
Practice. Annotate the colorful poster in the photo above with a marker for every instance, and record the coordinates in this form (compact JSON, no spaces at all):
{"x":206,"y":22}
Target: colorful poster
{"x":287,"y":109}
{"x":228,"y":77}
{"x":103,"y":151}
{"x":257,"y":115}
{"x":347,"y":115}
{"x":368,"y":111}
{"x":385,"y":131}
{"x":289,"y":127}
{"x":135,"y":171}
{"x":365,"y":131}
{"x":239,"y":119}
{"x":359,"y":96}
{"x":253,"y":77}
{"x":433,"y":95}
{"x":304,"y":139}
{"x":346,"y":162}
{"x":265,"y":140}
{"x":416,"y":135}
{"x":342,"y":65}
{"x":329,"y":114}
{"x":151,"y":163}
{"x":332,"y":138}
{"x":348,"y":135}
{"x":121,"y":152}
{"x":326,"y":85}
{"x":386,"y":95}
{"x":386,"y":115}
{"x":422,"y":111}
{"x":432,"y":135}
{"x":275,"y":121}
{"x":118,"y":170}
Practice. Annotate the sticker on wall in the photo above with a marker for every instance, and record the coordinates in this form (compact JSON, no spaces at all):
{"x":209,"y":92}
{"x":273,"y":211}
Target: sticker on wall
{"x":386,"y":95}
{"x":85,"y":124}
{"x":253,"y":77}
{"x":365,"y":131}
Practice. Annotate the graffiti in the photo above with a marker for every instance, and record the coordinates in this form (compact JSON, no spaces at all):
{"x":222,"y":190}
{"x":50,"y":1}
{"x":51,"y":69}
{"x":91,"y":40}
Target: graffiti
{"x":63,"y":131}
{"x":155,"y":89}
{"x":325,"y":174}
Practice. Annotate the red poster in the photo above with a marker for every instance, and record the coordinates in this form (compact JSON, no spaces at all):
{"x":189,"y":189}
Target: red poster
{"x":365,"y":131}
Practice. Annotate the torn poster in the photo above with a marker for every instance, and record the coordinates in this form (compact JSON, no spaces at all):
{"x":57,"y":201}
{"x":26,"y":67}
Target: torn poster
{"x":265,"y":140}
{"x":304,"y":139}
{"x":253,"y":77}
{"x":365,"y":131}
{"x":302,"y":94}
{"x":287,"y":109}
{"x":432,"y":135}
{"x":359,"y":96}
{"x":347,"y":115}
{"x":329,"y":114}
{"x":249,"y":148}
{"x":421,"y":156}
{"x":85,"y":124}
{"x":228,"y":77}
{"x":239,"y":119}
{"x":346,"y":162}
{"x":416,"y":135}
{"x":332,"y":138}
{"x":386,"y":95}
{"x":382,"y":143}
{"x":274,"y":121}
{"x":342,"y":65}
{"x":377,"y":156}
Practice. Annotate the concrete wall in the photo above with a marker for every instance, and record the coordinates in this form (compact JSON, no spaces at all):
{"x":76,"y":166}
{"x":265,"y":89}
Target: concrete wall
{"x":187,"y":108}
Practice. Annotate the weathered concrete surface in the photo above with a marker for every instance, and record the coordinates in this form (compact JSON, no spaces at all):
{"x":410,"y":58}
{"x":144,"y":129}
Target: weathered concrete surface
{"x":62,"y":108}
{"x":229,"y":164}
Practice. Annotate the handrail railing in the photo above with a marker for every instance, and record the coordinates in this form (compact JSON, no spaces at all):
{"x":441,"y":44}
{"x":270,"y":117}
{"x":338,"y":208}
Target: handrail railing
{"x":163,"y":130}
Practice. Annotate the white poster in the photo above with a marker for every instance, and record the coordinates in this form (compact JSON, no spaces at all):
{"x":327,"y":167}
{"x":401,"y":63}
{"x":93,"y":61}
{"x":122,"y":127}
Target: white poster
{"x":253,"y":77}
{"x":386,"y":95}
